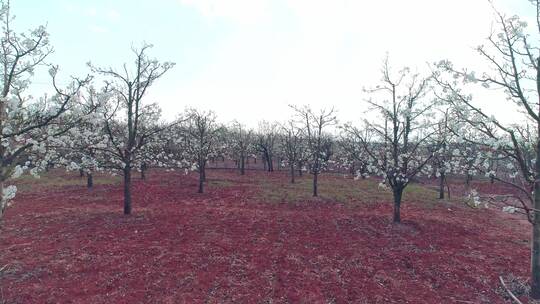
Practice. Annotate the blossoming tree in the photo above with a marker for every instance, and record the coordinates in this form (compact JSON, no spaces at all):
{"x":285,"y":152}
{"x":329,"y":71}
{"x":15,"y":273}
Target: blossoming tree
{"x":201,"y":136}
{"x":127,"y":120}
{"x":318,"y":143}
{"x":28,"y":125}
{"x":511,"y":55}
{"x":397,"y":142}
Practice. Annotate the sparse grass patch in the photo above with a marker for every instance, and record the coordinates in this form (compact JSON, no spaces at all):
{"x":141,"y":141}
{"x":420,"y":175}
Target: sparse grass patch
{"x":331,"y":188}
{"x":420,"y":193}
{"x":336,"y":188}
{"x":61,"y":179}
{"x":219,"y":183}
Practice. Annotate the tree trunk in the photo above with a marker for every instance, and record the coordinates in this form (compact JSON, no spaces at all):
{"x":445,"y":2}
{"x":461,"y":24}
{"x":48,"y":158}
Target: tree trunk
{"x":447,"y":187}
{"x":204,"y":172}
{"x":3,"y":204}
{"x":81,"y":173}
{"x":315,"y":177}
{"x":535,"y":250}
{"x":201,"y":179}
{"x":270,"y":163}
{"x":143,"y":171}
{"x":398,"y":193}
{"x":127,"y":189}
{"x":242,"y":165}
{"x":292,"y":174}
{"x":89,"y":180}
{"x":441,"y":186}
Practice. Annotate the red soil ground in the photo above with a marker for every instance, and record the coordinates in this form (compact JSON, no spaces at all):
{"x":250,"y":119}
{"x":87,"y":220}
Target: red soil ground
{"x":68,"y":245}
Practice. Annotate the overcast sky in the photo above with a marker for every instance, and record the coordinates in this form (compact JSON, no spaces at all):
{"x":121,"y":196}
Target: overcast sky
{"x":249,"y":59}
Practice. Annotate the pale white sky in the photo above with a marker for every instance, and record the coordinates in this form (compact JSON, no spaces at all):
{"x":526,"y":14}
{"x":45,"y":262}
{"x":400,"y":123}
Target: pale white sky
{"x":249,"y":59}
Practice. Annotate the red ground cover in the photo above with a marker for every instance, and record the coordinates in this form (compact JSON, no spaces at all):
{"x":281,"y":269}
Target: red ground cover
{"x":66,"y":245}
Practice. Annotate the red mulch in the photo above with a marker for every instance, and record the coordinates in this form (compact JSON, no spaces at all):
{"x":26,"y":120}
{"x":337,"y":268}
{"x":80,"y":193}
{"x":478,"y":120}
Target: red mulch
{"x":68,"y":245}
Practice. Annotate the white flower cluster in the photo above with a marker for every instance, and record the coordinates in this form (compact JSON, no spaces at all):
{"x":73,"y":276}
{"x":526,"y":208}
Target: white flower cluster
{"x":473,"y":199}
{"x":382,"y":186}
{"x":509,"y":209}
{"x":8,"y":193}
